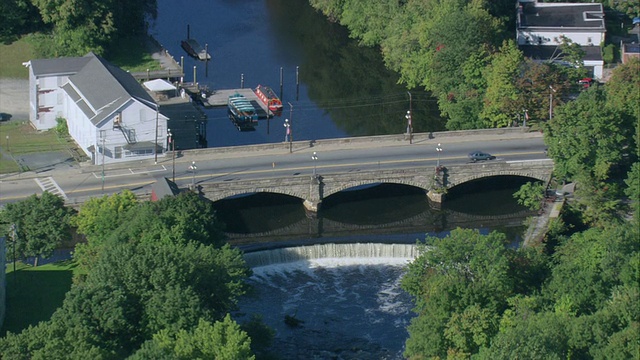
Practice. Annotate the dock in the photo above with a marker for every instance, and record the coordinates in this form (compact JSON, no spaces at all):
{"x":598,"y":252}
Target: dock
{"x":219,"y":98}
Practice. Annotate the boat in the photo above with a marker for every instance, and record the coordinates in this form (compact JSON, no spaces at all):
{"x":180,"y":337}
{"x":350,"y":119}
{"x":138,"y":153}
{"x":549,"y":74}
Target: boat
{"x":193,"y":48}
{"x":269,"y":98}
{"x":241,"y":108}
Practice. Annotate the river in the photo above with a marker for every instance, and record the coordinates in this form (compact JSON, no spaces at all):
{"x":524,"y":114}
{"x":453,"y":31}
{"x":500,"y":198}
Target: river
{"x":344,"y":89}
{"x":352,"y":308}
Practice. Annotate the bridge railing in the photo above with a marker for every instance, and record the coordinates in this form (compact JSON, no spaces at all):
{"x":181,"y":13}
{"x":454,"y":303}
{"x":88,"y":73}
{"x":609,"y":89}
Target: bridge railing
{"x":396,"y":138}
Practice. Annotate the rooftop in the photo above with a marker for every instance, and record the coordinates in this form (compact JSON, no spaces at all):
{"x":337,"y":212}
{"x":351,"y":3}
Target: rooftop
{"x":562,"y":15}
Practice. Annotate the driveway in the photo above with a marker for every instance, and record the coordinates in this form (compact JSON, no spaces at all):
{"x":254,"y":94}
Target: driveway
{"x":14,"y":98}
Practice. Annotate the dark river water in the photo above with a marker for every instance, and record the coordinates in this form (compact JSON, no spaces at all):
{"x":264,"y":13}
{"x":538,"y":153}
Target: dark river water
{"x":352,"y":308}
{"x":344,"y":89}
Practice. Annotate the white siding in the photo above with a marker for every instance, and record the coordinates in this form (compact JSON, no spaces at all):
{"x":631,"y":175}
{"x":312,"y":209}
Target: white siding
{"x":138,"y":121}
{"x":553,"y":38}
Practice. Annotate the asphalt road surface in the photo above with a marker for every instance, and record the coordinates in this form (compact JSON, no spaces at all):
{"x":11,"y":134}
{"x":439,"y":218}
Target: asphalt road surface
{"x":79,"y":183}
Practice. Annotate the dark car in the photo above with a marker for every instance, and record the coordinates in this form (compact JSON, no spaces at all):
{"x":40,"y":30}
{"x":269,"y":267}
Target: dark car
{"x":480,"y":155}
{"x":5,"y":117}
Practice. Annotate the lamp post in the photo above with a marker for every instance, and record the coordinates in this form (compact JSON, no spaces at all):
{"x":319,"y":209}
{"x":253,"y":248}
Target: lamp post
{"x":287,"y":134}
{"x":409,"y":125}
{"x":173,"y":155}
{"x":408,"y":116}
{"x":314,"y":158}
{"x":438,"y":150}
{"x":193,"y":169}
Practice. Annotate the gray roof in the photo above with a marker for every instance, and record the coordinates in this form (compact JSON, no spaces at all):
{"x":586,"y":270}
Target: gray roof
{"x":58,"y":66}
{"x":106,"y":88}
{"x":562,"y":16}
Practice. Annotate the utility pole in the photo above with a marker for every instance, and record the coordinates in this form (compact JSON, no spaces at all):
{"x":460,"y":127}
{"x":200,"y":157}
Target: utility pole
{"x":103,"y":136}
{"x":155,"y":151}
{"x":551,"y":91}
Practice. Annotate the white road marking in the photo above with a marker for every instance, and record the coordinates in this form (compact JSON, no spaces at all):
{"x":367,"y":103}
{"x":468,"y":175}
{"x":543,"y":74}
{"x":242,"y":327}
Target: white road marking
{"x":129,"y":172}
{"x":50,"y":185}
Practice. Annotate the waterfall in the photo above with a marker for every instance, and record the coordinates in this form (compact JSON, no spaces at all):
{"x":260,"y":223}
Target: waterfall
{"x":370,"y":251}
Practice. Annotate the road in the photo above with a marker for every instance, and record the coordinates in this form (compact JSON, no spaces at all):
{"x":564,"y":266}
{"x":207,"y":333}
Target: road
{"x":80,"y":183}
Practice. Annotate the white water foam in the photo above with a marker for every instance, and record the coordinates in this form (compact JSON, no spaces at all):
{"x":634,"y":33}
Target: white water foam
{"x":352,"y":302}
{"x":331,"y":255}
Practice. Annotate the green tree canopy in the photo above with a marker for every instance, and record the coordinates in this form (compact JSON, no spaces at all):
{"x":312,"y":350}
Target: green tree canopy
{"x":222,"y":340}
{"x":133,"y":291}
{"x":589,"y":142}
{"x":120,"y":218}
{"x":41,"y":224}
{"x":460,"y":284}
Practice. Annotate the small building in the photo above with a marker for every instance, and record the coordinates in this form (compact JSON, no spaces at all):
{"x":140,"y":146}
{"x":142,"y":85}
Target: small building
{"x":541,"y":27}
{"x":162,"y":188}
{"x":109,"y":114}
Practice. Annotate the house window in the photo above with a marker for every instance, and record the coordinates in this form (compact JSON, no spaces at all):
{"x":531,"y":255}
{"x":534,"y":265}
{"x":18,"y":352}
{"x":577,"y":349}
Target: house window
{"x":118,"y":152}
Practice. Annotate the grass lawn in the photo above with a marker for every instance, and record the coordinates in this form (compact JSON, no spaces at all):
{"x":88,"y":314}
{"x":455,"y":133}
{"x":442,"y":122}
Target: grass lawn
{"x":33,"y":294}
{"x":13,"y":55}
{"x":23,"y":139}
{"x":134,"y":54}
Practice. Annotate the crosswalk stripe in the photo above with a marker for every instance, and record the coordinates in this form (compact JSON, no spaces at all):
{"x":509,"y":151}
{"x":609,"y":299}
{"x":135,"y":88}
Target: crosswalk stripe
{"x":50,"y":185}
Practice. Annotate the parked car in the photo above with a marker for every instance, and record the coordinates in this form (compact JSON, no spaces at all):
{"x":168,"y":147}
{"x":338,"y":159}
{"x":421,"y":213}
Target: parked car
{"x":5,"y":117}
{"x":480,"y":155}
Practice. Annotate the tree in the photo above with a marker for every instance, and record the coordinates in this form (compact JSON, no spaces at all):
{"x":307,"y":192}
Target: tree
{"x":462,"y":105}
{"x":17,"y":17}
{"x":120,"y":218}
{"x":530,"y":195}
{"x":588,"y":142}
{"x":41,"y":223}
{"x":185,"y":217}
{"x":80,"y":26}
{"x":460,"y":284}
{"x":590,"y":264}
{"x":537,"y":336}
{"x":222,"y":340}
{"x":502,"y":102}
{"x":135,"y":290}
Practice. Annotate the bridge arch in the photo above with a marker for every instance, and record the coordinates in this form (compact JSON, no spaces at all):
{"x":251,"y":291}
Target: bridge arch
{"x":217,"y":196}
{"x":353,"y":184}
{"x":483,"y":175}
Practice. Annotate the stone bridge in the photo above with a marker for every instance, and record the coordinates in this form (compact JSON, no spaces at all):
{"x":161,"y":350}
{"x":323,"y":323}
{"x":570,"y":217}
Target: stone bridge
{"x":313,"y":189}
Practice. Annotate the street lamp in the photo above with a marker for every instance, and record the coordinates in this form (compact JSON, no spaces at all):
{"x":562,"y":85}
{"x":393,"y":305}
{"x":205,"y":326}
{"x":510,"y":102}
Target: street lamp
{"x":193,"y":168}
{"x":314,"y":158}
{"x":409,"y":124}
{"x":172,"y":144}
{"x":287,"y":134}
{"x":438,"y":150}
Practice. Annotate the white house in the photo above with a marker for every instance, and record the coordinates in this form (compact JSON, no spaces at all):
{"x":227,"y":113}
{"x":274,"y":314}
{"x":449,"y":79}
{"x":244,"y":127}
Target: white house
{"x":108,"y":113}
{"x":541,"y":26}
